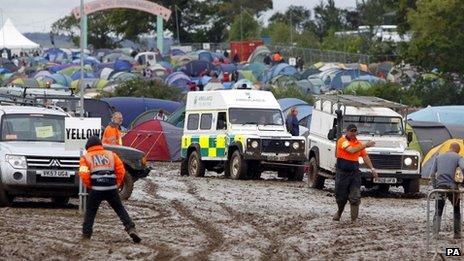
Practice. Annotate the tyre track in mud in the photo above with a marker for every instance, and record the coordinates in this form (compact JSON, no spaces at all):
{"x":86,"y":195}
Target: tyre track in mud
{"x":272,"y":252}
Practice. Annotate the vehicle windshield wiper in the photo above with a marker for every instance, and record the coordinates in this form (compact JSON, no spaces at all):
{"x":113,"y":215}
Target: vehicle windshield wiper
{"x":390,"y":132}
{"x":271,"y":124}
{"x":246,"y":123}
{"x":366,"y":132}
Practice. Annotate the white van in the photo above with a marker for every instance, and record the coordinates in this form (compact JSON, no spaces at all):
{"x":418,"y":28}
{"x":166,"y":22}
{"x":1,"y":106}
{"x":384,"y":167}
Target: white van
{"x":377,"y":120}
{"x":240,"y":132}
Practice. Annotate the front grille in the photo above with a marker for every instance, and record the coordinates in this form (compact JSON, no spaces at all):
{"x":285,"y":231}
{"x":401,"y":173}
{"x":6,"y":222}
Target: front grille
{"x":275,"y":146}
{"x":391,"y":162}
{"x":59,"y":163}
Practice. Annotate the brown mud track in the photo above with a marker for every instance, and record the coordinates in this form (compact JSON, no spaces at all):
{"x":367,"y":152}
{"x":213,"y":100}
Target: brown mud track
{"x":184,"y":218}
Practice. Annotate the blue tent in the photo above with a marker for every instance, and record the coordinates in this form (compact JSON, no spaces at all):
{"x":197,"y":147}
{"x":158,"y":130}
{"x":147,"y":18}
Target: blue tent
{"x":55,"y":55}
{"x":371,"y":79}
{"x":230,"y":68}
{"x":175,"y":52}
{"x":279,"y":69}
{"x":205,"y":56}
{"x":4,"y":70}
{"x":178,"y":79}
{"x":59,"y":67}
{"x":442,"y":114}
{"x":59,"y":79}
{"x":92,"y":61}
{"x":77,"y":75}
{"x":342,"y":78}
{"x":305,"y":111}
{"x":258,"y":69}
{"x":131,"y":107}
{"x":122,"y":65}
{"x":195,"y":68}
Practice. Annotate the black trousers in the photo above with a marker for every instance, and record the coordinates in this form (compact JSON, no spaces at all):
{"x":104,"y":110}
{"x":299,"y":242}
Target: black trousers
{"x":455,"y":200}
{"x":347,"y":187}
{"x":93,"y":203}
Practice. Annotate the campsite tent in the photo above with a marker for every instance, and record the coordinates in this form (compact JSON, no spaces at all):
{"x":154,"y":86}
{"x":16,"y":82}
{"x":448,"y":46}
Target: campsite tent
{"x":11,"y":38}
{"x":148,"y":115}
{"x":427,"y":135}
{"x":258,"y":55}
{"x":427,"y":163}
{"x":158,"y":139}
{"x":443,"y":114}
{"x":279,"y":69}
{"x":131,"y":107}
{"x":178,"y":79}
{"x":195,"y":68}
{"x":305,"y":111}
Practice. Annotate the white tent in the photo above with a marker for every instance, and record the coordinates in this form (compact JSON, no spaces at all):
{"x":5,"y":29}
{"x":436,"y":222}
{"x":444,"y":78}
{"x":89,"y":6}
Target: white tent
{"x":11,"y":38}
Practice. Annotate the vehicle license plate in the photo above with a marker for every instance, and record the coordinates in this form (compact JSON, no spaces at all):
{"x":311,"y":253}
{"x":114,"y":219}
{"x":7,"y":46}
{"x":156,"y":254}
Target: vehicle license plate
{"x":55,"y":173}
{"x":385,"y":180}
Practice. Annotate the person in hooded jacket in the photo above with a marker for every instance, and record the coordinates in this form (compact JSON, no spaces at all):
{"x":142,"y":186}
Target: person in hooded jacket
{"x":102,"y":172}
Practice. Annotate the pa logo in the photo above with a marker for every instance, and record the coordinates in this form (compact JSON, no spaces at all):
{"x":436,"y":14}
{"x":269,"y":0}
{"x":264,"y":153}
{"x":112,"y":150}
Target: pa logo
{"x":453,"y":251}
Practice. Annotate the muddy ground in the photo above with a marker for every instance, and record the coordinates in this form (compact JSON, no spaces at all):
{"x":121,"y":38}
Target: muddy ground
{"x":184,"y":218}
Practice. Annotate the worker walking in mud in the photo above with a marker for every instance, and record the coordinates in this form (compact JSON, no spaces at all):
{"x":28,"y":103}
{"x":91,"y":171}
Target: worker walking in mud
{"x":348,"y":178}
{"x":102,"y":172}
{"x":112,"y":134}
{"x":443,"y":177}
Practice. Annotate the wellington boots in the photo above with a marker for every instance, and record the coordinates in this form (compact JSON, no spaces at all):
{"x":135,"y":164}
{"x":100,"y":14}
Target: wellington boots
{"x":354,"y":212}
{"x":339,"y":212}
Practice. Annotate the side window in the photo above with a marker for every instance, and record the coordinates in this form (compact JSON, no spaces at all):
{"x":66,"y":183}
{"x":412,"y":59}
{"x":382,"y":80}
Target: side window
{"x":206,"y":120}
{"x":221,"y":121}
{"x":192,"y":122}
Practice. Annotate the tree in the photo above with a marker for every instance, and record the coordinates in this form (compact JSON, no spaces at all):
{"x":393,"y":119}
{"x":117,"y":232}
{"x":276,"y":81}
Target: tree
{"x":437,"y":35}
{"x":244,"y":27}
{"x":327,"y":18}
{"x":298,"y":16}
{"x":281,"y":34}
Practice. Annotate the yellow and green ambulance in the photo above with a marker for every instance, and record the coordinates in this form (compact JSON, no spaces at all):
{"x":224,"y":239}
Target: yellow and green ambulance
{"x":241,"y":133}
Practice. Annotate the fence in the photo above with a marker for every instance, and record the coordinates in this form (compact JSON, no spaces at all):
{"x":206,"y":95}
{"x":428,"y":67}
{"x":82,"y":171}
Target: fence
{"x":439,"y":250}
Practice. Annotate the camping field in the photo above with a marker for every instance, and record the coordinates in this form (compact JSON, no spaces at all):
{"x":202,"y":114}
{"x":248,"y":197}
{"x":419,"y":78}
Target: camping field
{"x":184,"y":218}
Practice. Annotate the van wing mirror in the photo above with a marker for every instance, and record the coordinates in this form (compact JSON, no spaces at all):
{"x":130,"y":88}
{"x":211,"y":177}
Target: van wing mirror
{"x":332,"y":134}
{"x":409,"y":136}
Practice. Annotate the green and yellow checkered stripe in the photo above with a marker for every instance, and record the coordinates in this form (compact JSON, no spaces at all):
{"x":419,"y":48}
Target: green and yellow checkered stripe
{"x":213,"y":146}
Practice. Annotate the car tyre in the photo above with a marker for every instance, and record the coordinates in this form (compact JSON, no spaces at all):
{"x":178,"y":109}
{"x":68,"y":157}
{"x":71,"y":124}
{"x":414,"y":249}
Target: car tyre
{"x":237,"y":166}
{"x":5,"y":199}
{"x":60,"y":201}
{"x":125,"y":191}
{"x":411,"y":186}
{"x":314,"y":179}
{"x":196,"y":167}
{"x":297,"y":173}
{"x":184,"y":167}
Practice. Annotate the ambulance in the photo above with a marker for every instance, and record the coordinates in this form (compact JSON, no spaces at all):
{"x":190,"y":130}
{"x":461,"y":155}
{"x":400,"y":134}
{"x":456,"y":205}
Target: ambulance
{"x":241,"y":133}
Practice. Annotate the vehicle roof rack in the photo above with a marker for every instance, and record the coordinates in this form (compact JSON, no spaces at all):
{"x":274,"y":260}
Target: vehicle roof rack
{"x":360,"y":101}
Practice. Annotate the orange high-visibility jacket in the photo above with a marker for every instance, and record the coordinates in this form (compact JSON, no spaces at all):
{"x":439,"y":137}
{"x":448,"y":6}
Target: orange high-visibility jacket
{"x":86,"y":168}
{"x":343,"y":143}
{"x":112,"y":135}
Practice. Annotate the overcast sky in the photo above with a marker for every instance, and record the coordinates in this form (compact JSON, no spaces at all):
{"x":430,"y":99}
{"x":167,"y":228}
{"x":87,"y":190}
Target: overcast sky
{"x":38,"y":15}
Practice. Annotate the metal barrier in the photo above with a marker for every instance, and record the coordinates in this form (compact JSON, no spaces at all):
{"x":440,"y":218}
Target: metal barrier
{"x":435,"y":194}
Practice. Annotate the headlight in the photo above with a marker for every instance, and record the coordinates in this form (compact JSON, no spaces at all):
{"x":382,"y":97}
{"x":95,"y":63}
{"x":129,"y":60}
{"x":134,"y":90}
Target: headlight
{"x":296,"y":145}
{"x":254,"y":144}
{"x":287,"y":144}
{"x":361,"y":160}
{"x":17,"y":162}
{"x":408,"y":161}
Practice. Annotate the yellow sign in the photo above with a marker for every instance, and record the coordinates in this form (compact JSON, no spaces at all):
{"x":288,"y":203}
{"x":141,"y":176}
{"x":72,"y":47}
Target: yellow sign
{"x":44,"y":132}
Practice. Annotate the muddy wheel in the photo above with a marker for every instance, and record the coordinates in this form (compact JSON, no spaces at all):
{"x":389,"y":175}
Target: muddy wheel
{"x":125,"y":191}
{"x":184,"y":167}
{"x":5,"y":199}
{"x":411,"y":186}
{"x":297,"y":173}
{"x":196,"y":167}
{"x":314,"y":179}
{"x":383,"y":188}
{"x":60,"y":201}
{"x":237,"y":166}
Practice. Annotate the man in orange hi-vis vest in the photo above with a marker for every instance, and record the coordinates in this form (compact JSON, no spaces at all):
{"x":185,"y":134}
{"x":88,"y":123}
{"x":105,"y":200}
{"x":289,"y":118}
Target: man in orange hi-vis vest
{"x":112,"y":134}
{"x":102,"y":172}
{"x":348,"y":176}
